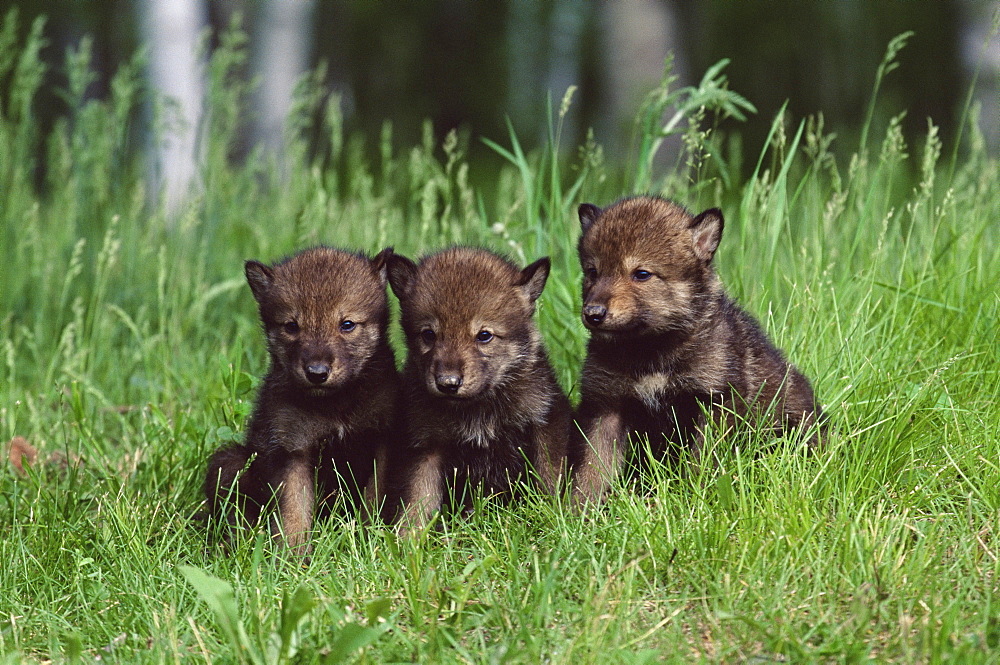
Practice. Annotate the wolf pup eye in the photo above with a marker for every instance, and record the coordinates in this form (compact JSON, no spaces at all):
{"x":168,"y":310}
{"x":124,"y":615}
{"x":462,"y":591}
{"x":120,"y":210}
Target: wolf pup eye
{"x":428,"y":336}
{"x":641,"y":275}
{"x":291,"y":327}
{"x":591,"y":273}
{"x":484,"y":336}
{"x":347,"y":325}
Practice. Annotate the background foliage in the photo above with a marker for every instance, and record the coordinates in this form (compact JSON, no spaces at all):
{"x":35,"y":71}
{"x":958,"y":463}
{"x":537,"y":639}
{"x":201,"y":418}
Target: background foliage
{"x":467,"y":65}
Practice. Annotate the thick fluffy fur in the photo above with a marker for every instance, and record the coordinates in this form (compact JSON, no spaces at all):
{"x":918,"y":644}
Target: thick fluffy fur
{"x":482,"y":402}
{"x":327,"y":406}
{"x":667,"y":344}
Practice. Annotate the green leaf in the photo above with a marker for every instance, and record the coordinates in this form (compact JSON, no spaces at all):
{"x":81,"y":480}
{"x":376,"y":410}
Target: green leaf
{"x":377,"y":609}
{"x":724,"y":488}
{"x":350,"y":639}
{"x":221,"y":599}
{"x":72,"y":645}
{"x":294,"y":610}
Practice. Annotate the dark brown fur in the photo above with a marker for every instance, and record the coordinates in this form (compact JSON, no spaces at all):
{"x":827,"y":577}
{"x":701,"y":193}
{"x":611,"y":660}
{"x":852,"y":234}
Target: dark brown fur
{"x":667,"y":344}
{"x":326,"y":409}
{"x":479,"y":411}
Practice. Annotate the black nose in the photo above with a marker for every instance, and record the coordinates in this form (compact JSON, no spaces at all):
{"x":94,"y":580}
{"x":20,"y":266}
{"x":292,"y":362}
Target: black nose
{"x":317,"y":372}
{"x":594,"y":314}
{"x":448,"y":383}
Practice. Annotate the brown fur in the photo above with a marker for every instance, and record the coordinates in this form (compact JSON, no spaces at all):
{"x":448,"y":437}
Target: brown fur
{"x":667,"y":343}
{"x":482,"y":401}
{"x":327,"y":406}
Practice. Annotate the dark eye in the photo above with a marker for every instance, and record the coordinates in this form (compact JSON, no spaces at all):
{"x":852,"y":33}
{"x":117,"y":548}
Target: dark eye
{"x":591,"y":273}
{"x":428,"y":336}
{"x":347,"y":325}
{"x":291,"y":327}
{"x":484,"y":336}
{"x":641,"y":275}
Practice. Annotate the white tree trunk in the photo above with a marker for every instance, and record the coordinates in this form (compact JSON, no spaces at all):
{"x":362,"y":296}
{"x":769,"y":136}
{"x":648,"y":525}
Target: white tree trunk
{"x":281,"y":56}
{"x":637,"y":38}
{"x":171,"y":29}
{"x":980,"y":44}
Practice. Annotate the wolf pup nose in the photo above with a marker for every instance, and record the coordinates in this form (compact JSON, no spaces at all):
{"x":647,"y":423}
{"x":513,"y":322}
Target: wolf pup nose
{"x":593,"y":315}
{"x":482,"y":402}
{"x":448,"y":383}
{"x":667,"y":344}
{"x":317,"y":373}
{"x":327,"y":408}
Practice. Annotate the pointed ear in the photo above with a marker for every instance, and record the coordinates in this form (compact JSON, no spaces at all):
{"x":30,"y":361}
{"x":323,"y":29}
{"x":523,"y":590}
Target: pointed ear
{"x":706,"y":232}
{"x":401,"y":271}
{"x":380,"y":262}
{"x":532,"y":278}
{"x":588,"y":213}
{"x":260,"y":278}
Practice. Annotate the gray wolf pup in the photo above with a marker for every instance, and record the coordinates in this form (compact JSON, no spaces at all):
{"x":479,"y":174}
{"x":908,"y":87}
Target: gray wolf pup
{"x":327,"y":407}
{"x":482,"y":405}
{"x":667,"y":344}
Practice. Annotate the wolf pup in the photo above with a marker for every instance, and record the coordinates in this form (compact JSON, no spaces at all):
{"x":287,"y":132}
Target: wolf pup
{"x":482,"y":401}
{"x":667,"y":344}
{"x":327,"y":406}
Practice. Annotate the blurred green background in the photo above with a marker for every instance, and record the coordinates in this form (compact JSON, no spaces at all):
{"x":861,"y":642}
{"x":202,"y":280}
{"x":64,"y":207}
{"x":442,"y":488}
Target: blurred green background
{"x":474,"y":66}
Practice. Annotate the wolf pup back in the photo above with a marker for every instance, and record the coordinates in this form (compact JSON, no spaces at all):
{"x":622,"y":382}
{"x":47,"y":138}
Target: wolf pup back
{"x":482,"y":401}
{"x":326,"y":408}
{"x":667,"y":344}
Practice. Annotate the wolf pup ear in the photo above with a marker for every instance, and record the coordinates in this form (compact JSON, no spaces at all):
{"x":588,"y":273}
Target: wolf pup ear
{"x":260,"y":278}
{"x":400,"y":272}
{"x":706,"y":232}
{"x":532,"y":278}
{"x":380,"y":262}
{"x":588,"y":213}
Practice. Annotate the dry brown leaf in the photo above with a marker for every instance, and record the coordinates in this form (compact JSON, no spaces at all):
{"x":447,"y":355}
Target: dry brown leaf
{"x":21,"y":454}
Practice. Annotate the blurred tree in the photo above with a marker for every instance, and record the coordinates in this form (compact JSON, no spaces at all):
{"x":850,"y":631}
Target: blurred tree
{"x":472,"y":65}
{"x":822,"y":57}
{"x":440,"y":60}
{"x":172,"y":30}
{"x":980,"y":47}
{"x":115,"y":39}
{"x":282,"y":46}
{"x":634,"y":41}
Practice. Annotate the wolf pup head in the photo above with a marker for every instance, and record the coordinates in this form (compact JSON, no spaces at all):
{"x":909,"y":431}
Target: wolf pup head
{"x":467,"y":315}
{"x":324,"y":312}
{"x":647,"y":266}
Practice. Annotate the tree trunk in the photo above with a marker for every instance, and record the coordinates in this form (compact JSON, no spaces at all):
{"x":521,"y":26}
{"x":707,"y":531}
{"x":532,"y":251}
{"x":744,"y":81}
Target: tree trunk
{"x":176,"y":71}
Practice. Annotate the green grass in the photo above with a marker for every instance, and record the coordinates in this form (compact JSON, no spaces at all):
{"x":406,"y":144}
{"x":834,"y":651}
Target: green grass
{"x":130,"y":349}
